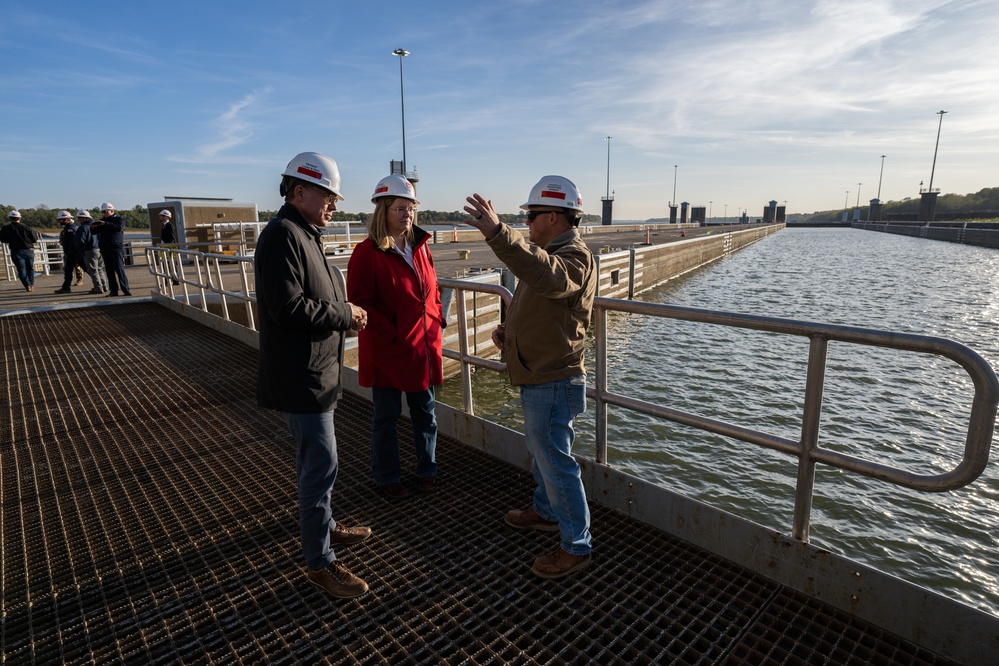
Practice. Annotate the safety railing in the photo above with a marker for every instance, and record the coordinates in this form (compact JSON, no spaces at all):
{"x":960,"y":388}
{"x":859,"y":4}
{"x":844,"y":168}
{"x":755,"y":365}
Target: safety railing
{"x":168,"y":265}
{"x":463,"y":355}
{"x":205,"y":275}
{"x":981,"y":420}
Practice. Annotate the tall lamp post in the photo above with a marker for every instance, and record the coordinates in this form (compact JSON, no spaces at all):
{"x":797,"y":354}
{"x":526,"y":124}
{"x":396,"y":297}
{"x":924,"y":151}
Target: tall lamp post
{"x":846,"y":201}
{"x":934,"y":167}
{"x":673,"y":203}
{"x":858,"y":194}
{"x":402,"y":53}
{"x":608,"y":164}
{"x":709,"y":210}
{"x":881,"y":176}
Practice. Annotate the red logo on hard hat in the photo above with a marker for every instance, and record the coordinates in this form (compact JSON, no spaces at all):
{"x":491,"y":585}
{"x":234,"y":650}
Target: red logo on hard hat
{"x":312,"y":173}
{"x":383,"y":188}
{"x":553,"y":195}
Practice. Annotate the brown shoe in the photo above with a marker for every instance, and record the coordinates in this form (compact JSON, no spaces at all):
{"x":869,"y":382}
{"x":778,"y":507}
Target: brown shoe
{"x":336,"y":581}
{"x":528,"y":519}
{"x":345,"y":536}
{"x":559,"y":564}
{"x":394,"y":491}
{"x":426,"y":484}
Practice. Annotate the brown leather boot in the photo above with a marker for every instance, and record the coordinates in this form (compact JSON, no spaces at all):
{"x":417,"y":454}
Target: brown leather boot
{"x":345,"y":536}
{"x":529,"y":519}
{"x":336,"y":581}
{"x":560,"y":563}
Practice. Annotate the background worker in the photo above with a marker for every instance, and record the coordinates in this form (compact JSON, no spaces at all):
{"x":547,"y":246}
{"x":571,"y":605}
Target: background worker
{"x":86,"y":244}
{"x":21,"y":242}
{"x":110,"y":231}
{"x":303,"y":316}
{"x":391,"y":275}
{"x":71,"y":257}
{"x":168,"y":234}
{"x":543,"y":337}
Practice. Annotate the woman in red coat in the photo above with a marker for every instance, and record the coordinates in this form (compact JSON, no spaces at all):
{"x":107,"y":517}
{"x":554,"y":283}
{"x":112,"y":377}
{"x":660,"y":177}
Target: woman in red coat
{"x":391,"y":275}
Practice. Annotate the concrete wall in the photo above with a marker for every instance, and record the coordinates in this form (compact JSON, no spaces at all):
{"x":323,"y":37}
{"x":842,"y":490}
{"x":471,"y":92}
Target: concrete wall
{"x":628,"y":272}
{"x":968,"y":233}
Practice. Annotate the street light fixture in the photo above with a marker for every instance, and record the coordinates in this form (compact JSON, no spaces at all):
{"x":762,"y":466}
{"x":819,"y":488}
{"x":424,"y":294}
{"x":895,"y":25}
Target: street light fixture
{"x":673,"y":203}
{"x":402,"y":53}
{"x":934,"y":167}
{"x":858,"y":194}
{"x":709,"y":210}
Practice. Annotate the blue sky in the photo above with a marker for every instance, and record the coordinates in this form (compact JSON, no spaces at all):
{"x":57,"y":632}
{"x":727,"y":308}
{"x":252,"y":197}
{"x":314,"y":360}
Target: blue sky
{"x":130,"y":102}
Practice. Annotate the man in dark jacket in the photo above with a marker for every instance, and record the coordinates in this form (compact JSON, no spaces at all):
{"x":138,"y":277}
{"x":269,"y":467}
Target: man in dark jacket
{"x":71,"y":259}
{"x":21,"y":240}
{"x":86,"y":245}
{"x":303,"y":316}
{"x":110,"y":230}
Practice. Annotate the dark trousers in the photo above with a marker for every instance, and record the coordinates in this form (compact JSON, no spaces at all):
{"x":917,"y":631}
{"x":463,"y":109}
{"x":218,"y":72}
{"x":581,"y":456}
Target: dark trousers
{"x":69,"y":265}
{"x":114,"y":263}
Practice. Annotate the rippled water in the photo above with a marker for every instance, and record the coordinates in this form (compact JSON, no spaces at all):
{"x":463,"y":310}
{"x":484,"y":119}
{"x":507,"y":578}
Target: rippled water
{"x":904,"y":409}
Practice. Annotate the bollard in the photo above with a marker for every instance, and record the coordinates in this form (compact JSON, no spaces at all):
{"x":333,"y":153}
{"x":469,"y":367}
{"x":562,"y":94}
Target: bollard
{"x":647,"y":235}
{"x":454,"y":235}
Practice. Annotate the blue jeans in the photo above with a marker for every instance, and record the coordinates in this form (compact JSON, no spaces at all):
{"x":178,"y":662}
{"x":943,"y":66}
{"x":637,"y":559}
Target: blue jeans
{"x":548,"y":413}
{"x":24,"y":261}
{"x":316,"y":466}
{"x":385,"y":465}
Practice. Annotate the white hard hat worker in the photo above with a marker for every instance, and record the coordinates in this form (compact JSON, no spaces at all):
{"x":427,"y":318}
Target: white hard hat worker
{"x":84,"y":215}
{"x":555,"y":191}
{"x":65,"y":215}
{"x":166,"y":213}
{"x":314,"y":169}
{"x":105,"y":207}
{"x":394,"y":186}
{"x":311,"y":184}
{"x":14,"y":215}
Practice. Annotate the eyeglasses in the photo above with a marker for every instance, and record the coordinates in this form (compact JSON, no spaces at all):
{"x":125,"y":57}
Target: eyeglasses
{"x":403,"y":210}
{"x":531,"y":214}
{"x":328,"y":198}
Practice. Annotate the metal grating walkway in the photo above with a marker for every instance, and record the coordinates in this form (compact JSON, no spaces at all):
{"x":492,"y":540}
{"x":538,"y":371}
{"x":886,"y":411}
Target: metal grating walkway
{"x":149,"y":516}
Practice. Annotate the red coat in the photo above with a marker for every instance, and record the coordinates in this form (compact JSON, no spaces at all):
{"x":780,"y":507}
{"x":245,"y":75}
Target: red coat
{"x":401,"y":345}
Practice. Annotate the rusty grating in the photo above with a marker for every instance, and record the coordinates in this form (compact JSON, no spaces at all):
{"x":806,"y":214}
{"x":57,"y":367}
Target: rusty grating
{"x":147,"y":514}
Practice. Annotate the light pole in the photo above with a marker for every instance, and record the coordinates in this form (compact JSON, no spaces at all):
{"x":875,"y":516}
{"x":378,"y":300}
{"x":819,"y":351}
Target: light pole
{"x":402,"y":53}
{"x":673,"y":203}
{"x":881,"y":176}
{"x":725,"y":219}
{"x":934,"y":167}
{"x":846,"y":200}
{"x":709,"y":210}
{"x":608,"y":165}
{"x":858,"y":194}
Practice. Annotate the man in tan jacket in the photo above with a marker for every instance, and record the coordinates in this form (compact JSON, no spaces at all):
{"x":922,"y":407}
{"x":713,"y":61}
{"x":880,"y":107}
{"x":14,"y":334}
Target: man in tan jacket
{"x":543,"y":338}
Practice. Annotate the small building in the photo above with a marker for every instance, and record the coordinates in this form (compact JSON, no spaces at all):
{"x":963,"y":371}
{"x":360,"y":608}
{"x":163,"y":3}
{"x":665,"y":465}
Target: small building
{"x":205,"y":224}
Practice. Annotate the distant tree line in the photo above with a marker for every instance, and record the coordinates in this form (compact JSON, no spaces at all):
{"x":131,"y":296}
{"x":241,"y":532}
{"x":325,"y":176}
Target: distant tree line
{"x":984,"y":202}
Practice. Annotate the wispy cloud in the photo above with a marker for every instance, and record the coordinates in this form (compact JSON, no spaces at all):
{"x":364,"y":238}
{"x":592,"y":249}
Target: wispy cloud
{"x":233,"y":128}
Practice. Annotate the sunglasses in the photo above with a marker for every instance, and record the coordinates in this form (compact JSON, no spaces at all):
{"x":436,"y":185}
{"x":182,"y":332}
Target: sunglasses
{"x":531,"y":214}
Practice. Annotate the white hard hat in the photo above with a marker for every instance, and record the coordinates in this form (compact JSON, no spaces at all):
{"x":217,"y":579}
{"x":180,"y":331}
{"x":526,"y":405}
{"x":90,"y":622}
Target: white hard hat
{"x":84,"y":214}
{"x":394,"y":186}
{"x":107,"y":206}
{"x":166,"y":212}
{"x":64,"y":215}
{"x":316,"y":169}
{"x":14,"y":214}
{"x":555,"y":191}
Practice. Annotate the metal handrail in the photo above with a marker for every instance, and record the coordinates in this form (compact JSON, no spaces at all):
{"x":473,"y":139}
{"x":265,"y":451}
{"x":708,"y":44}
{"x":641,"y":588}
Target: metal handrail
{"x":981,"y":420}
{"x":168,"y":265}
{"x":467,"y":360}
